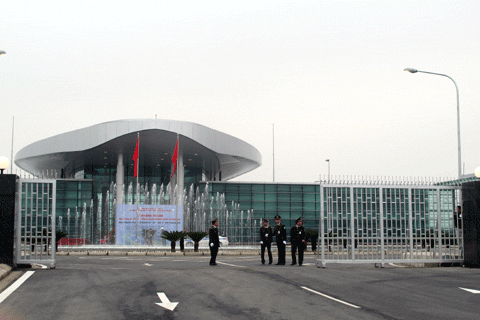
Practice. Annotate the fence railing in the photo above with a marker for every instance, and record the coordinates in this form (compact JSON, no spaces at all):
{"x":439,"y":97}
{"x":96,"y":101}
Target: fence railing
{"x":35,"y":222}
{"x":389,"y":224}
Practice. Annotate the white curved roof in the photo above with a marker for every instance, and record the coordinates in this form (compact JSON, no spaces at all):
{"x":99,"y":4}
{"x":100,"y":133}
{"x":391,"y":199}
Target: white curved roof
{"x":101,"y":143}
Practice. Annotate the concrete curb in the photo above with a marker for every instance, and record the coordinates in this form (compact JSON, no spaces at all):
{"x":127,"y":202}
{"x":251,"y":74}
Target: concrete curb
{"x":4,"y":270}
{"x":189,"y":253}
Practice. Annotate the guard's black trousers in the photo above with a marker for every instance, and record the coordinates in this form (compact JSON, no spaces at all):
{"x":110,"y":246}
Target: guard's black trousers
{"x":213,"y":254}
{"x":300,"y":247}
{"x":281,"y":252}
{"x":268,"y":246}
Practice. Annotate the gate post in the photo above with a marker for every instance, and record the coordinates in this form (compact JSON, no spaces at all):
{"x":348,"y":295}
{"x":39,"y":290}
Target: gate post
{"x":471,"y":223}
{"x":439,"y":224}
{"x":410,"y":221}
{"x":322,"y":227}
{"x":382,"y":236}
{"x":7,"y":217}
{"x":352,"y":223}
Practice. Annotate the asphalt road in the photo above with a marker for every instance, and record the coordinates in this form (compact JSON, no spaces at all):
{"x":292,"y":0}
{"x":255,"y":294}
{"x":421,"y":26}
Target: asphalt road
{"x":239,"y":287}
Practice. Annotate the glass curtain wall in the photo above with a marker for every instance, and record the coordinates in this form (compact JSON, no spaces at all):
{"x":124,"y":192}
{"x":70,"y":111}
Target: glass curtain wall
{"x":290,"y":201}
{"x":73,"y":208}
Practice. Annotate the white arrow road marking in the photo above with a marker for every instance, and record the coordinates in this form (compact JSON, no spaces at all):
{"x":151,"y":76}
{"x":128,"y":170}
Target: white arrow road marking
{"x":165,"y":302}
{"x":470,"y":290}
{"x":396,"y":265}
{"x":148,"y":264}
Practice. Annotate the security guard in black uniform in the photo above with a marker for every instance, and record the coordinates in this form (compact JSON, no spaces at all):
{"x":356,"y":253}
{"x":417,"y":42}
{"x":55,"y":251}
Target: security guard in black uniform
{"x":297,"y":238}
{"x":280,"y":234}
{"x":266,"y":241}
{"x":214,"y":241}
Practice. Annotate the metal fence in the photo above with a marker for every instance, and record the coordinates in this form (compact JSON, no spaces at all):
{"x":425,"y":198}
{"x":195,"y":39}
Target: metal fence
{"x":35,"y":222}
{"x":389,"y":224}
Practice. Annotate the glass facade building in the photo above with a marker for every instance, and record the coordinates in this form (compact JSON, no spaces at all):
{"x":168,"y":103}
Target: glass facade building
{"x":98,"y":160}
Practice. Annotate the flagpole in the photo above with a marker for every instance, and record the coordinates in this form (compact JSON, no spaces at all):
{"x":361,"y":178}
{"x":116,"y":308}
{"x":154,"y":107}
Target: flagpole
{"x":273,"y":148}
{"x":138,"y":193}
{"x":178,"y":191}
{"x":175,"y":165}
{"x":11,"y":155}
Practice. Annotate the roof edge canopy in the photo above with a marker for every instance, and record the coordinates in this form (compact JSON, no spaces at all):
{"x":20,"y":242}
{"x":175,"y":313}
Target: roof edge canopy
{"x":235,"y":156}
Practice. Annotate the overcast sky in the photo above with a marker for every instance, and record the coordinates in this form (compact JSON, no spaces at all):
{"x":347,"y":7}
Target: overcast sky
{"x":327,"y":75}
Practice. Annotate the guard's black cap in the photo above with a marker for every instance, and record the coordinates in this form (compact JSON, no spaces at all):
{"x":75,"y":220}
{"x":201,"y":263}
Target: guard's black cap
{"x":277,"y":217}
{"x":264,"y":220}
{"x":298,"y":220}
{"x":214,"y":220}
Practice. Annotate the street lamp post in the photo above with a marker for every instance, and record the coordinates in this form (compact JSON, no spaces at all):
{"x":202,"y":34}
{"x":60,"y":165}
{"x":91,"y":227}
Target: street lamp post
{"x":458,"y":114}
{"x":328,"y":160}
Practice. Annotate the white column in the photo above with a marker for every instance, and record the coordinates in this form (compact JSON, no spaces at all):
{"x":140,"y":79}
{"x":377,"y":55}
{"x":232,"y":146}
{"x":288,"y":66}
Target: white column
{"x":120,"y":178}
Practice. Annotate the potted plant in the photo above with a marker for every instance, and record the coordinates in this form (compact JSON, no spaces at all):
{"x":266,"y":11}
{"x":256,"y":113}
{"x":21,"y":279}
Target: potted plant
{"x":196,"y":236}
{"x":173,"y":237}
{"x":58,"y":235}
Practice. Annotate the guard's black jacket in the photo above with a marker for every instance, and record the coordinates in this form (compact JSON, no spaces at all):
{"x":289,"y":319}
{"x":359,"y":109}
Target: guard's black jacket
{"x":297,"y":234}
{"x":213,"y":236}
{"x":266,"y":234}
{"x":280,"y":232}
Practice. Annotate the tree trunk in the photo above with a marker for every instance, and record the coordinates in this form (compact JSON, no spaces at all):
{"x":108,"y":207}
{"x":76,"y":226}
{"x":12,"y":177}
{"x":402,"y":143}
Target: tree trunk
{"x":195,"y":246}
{"x":172,"y":244}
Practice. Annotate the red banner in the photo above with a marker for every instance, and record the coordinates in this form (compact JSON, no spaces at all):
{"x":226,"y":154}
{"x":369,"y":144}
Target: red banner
{"x":174,"y":159}
{"x":135,"y":160}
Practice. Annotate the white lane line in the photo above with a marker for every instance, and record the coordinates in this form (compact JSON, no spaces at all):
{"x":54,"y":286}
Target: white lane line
{"x":231,"y":265}
{"x":148,"y":264}
{"x":245,"y":257}
{"x":15,"y":285}
{"x":470,"y":290}
{"x":332,"y":298}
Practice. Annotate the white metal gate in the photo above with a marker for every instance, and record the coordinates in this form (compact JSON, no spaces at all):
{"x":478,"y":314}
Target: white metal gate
{"x":35,"y":222}
{"x":388,"y":224}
